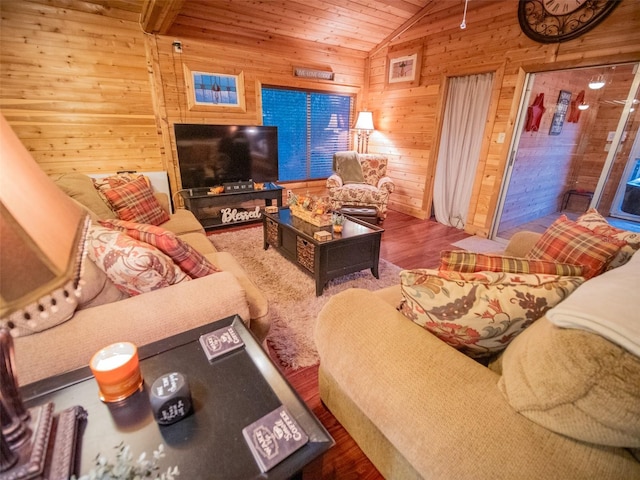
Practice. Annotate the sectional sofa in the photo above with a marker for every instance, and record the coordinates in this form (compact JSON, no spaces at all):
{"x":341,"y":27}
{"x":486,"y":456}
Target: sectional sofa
{"x":558,"y":402}
{"x":106,"y":314}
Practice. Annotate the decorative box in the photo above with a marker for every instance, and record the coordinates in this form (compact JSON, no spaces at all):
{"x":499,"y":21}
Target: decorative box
{"x":322,"y":236}
{"x":313,"y":218}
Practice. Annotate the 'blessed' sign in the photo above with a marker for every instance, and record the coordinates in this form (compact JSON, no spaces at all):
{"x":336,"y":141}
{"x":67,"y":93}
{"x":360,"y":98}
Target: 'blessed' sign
{"x":234,"y":215}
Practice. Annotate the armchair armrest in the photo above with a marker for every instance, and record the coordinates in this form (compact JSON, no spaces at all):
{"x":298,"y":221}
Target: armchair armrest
{"x":386,"y":183}
{"x":334,"y":181}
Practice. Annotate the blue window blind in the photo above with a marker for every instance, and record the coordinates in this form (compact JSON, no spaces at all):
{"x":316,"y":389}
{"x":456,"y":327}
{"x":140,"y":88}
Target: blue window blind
{"x":312,"y":126}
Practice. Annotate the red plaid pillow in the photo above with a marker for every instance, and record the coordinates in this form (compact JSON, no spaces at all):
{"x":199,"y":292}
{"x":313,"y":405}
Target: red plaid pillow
{"x":190,"y":261}
{"x":598,"y":224}
{"x":566,"y":241}
{"x":134,"y":201}
{"x":470,"y":262}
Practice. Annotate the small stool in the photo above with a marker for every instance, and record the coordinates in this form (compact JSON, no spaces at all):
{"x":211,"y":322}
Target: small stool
{"x":579,"y":193}
{"x":366,"y":214}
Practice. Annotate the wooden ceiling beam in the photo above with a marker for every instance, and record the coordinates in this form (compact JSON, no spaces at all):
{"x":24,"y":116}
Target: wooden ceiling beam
{"x":403,"y":28}
{"x":157,"y":16}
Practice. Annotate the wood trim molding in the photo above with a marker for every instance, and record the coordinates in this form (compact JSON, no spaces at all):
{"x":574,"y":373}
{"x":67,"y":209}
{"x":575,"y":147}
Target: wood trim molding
{"x":157,"y":16}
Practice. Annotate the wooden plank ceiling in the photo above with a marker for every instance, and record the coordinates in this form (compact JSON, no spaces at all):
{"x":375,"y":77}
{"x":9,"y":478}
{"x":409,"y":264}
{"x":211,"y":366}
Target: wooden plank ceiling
{"x":362,"y":25}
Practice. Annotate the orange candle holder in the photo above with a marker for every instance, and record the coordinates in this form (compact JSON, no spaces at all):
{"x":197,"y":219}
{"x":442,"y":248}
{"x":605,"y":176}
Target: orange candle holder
{"x":116,"y":369}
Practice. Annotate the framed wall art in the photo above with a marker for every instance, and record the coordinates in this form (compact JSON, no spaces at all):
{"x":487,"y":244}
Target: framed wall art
{"x":564,"y":98}
{"x":214,"y":91}
{"x":403,"y":68}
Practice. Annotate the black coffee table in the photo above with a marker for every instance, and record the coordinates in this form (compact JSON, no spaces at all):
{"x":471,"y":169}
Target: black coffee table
{"x":228,"y":394}
{"x":356,"y":248}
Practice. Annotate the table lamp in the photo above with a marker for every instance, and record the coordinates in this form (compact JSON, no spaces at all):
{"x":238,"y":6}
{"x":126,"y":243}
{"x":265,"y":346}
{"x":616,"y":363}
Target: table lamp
{"x":364,"y":127}
{"x":42,"y":236}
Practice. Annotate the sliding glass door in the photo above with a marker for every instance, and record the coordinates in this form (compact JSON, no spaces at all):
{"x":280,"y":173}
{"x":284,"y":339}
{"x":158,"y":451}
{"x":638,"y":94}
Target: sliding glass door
{"x":582,"y":151}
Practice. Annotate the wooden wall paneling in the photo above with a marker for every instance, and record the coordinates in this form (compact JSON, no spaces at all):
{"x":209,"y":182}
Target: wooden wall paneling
{"x":267,"y":66}
{"x":75,"y":86}
{"x":492,"y":36}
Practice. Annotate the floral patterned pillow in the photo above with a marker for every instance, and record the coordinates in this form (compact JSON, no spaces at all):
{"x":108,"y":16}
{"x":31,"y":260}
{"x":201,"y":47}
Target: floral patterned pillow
{"x":480,"y":313}
{"x":598,"y":224}
{"x":184,"y":255}
{"x":133,"y":266}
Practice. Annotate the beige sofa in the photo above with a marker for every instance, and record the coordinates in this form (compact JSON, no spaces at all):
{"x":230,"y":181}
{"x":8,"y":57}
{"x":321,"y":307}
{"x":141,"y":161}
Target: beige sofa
{"x":557,"y":403}
{"x":143,"y":318}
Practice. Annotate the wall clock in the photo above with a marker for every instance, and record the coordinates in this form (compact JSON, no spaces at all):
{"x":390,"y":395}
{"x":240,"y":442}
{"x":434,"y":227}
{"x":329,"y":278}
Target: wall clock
{"x":550,"y":21}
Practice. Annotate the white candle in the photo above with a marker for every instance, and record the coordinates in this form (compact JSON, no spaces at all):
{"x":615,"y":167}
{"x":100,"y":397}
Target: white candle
{"x":113,"y":362}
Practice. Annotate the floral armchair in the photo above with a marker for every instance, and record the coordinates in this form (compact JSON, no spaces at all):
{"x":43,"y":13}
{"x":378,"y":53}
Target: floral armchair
{"x":372,"y":189}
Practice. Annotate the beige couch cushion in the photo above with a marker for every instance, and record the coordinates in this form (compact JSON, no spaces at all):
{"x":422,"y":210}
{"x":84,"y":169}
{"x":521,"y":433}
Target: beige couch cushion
{"x":80,"y":187}
{"x":183,"y":221}
{"x":141,"y":319}
{"x":575,"y":383}
{"x":199,"y":242}
{"x":96,"y":288}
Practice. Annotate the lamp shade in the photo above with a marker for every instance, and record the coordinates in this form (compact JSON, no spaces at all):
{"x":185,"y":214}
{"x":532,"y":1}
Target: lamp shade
{"x":41,"y":240}
{"x":364,"y":121}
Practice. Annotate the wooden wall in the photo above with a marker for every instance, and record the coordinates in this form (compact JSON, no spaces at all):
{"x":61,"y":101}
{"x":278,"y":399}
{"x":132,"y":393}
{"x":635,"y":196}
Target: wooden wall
{"x":75,"y":86}
{"x":87,"y":90}
{"x":407,"y":120}
{"x":272,"y":64}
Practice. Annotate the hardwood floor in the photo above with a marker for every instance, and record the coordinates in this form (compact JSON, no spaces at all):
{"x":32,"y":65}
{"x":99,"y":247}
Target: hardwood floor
{"x":409,"y":243}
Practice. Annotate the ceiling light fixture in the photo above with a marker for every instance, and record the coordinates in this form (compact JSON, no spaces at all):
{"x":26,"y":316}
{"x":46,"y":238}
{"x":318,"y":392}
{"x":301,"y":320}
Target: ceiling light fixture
{"x":583,"y":106}
{"x":463,"y":25}
{"x":597,"y":83}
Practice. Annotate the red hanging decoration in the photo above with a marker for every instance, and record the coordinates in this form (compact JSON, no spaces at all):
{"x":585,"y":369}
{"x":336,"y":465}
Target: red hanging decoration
{"x":534,"y":114}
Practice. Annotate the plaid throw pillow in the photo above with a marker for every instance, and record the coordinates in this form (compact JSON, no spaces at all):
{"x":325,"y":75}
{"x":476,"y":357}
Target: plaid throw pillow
{"x":598,"y":224}
{"x":190,"y":261}
{"x":567,"y":242}
{"x":470,"y":262}
{"x":134,"y":201}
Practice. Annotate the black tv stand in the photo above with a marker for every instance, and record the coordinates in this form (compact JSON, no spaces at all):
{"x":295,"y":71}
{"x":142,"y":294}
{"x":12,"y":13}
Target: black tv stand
{"x":225,"y":209}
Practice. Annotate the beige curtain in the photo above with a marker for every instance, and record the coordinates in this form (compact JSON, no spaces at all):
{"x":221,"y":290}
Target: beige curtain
{"x":463,"y":126}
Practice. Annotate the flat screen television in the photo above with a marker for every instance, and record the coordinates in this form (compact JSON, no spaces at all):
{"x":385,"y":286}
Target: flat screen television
{"x":211,"y":155}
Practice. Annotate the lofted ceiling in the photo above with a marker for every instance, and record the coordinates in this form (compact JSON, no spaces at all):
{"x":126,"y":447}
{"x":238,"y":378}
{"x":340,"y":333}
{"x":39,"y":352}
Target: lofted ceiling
{"x":361,"y":25}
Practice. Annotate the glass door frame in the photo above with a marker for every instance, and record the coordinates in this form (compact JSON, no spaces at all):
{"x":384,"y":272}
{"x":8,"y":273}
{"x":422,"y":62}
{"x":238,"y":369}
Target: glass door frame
{"x":613,"y":152}
{"x":519,"y":125}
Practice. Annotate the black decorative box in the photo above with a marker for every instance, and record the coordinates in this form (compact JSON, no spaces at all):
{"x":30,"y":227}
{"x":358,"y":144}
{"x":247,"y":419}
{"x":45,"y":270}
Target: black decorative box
{"x":238,"y":186}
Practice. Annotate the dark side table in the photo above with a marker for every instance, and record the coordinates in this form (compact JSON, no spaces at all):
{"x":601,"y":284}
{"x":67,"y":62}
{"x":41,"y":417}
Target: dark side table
{"x":228,"y":394}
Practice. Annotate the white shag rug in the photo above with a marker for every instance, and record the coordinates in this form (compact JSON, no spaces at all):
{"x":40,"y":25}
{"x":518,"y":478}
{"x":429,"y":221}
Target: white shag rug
{"x":293,"y":305}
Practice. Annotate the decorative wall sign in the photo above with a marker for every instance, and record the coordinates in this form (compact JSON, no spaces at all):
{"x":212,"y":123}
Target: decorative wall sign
{"x":404,"y":68}
{"x":564,"y":98}
{"x":313,"y":73}
{"x":206,"y":91}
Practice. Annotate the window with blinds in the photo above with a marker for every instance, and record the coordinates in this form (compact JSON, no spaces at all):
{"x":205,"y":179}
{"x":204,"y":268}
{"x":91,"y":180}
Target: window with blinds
{"x":312,"y":126}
